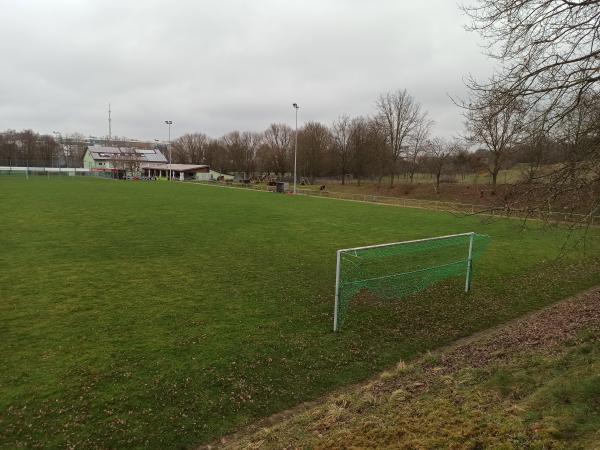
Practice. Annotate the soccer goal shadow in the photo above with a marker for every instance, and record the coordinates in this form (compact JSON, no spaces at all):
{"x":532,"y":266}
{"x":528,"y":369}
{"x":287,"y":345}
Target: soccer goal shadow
{"x":422,"y":308}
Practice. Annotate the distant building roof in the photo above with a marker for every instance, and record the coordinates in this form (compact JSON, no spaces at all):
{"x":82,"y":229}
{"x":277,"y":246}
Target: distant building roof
{"x":101,"y":153}
{"x":175,"y":167}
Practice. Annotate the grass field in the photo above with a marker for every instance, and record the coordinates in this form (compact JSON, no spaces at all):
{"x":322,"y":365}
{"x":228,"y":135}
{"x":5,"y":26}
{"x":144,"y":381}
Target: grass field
{"x":164,"y":315}
{"x":533,"y":383}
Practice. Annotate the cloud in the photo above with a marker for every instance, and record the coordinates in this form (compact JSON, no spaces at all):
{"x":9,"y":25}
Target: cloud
{"x":215,"y":66}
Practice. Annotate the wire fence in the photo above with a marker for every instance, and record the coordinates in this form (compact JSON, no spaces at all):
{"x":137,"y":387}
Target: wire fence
{"x":25,"y":172}
{"x":437,"y":205}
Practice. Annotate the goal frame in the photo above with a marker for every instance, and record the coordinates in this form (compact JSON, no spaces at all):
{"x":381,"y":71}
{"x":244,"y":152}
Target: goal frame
{"x":468,"y":277}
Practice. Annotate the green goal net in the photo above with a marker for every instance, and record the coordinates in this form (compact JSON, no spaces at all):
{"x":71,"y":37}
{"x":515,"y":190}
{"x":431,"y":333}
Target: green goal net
{"x":393,"y":271}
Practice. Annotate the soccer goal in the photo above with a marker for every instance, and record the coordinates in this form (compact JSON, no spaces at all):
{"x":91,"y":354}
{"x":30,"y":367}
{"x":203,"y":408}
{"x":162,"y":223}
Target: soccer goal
{"x":395,"y":270}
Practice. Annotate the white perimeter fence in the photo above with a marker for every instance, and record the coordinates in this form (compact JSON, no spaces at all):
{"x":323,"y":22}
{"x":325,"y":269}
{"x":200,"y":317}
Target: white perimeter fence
{"x":25,"y":171}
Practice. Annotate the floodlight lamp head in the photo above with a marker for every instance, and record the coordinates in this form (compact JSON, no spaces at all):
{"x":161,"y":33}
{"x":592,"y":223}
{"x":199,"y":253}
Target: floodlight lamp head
{"x":295,"y":105}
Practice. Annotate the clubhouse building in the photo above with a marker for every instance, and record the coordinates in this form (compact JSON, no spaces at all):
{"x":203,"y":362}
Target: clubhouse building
{"x":120,"y":161}
{"x":123,"y":161}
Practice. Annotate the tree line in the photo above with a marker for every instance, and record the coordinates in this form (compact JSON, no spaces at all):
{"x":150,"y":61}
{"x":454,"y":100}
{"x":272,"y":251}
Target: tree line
{"x":30,"y":149}
{"x":396,"y":141}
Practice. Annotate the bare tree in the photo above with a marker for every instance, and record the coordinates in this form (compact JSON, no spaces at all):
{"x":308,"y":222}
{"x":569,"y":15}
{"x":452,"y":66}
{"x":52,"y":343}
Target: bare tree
{"x":340,"y":130}
{"x":265,"y":159}
{"x":575,"y":183}
{"x":549,"y":50}
{"x":190,"y":148}
{"x":235,"y":151}
{"x":496,"y":122}
{"x":240,"y":151}
{"x":49,"y":150}
{"x":27,"y":148}
{"x":361,"y":148}
{"x":549,"y":57}
{"x":398,"y":114}
{"x":133,"y":163}
{"x":279,"y":140}
{"x":75,"y":149}
{"x":215,"y":156}
{"x":118,"y":164}
{"x":314,"y":142}
{"x":251,"y":142}
{"x":28,"y":140}
{"x":127,"y":161}
{"x":380,"y":156}
{"x":465,"y":162}
{"x":418,"y":139}
{"x":533,"y":151}
{"x":9,"y":151}
{"x":439,"y":154}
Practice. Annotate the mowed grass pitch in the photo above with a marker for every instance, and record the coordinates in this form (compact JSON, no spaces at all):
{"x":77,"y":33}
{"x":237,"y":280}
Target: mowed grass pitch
{"x":164,"y":315}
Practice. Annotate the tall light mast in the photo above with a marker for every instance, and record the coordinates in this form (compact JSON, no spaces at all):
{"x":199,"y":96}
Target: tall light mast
{"x":109,"y":127}
{"x":296,"y":107}
{"x":169,"y":123}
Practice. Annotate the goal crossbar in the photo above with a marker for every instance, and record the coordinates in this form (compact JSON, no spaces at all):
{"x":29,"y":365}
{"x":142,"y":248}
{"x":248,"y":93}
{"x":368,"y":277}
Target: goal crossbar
{"x":414,"y":241}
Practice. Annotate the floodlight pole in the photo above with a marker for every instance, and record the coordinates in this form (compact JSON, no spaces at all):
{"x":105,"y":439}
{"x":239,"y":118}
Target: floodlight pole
{"x":469,"y":264}
{"x":59,"y":137}
{"x":296,"y":107}
{"x":169,"y":123}
{"x":337,"y":292}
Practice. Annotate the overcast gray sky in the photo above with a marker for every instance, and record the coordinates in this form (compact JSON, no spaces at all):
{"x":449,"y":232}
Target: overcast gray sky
{"x":219,"y":65}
